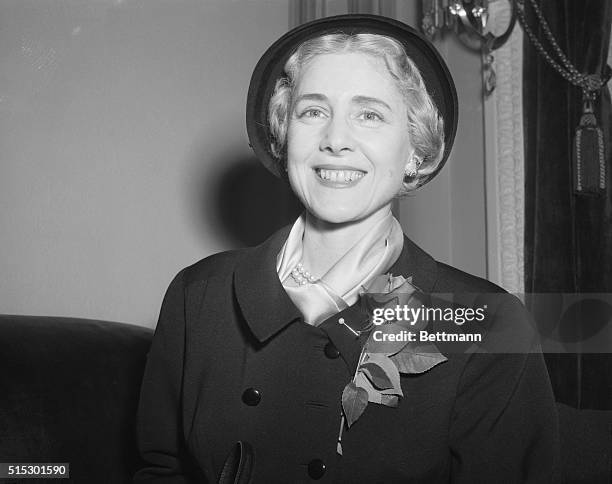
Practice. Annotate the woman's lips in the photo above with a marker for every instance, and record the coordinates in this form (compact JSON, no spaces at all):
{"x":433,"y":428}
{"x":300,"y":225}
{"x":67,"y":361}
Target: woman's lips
{"x":339,"y":177}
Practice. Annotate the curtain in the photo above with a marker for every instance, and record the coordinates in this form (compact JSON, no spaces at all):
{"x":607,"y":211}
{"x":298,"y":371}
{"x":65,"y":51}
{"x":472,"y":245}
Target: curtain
{"x":568,"y":238}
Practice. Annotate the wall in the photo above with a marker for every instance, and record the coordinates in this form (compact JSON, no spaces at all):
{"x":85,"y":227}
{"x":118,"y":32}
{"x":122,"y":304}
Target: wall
{"x":447,"y":217}
{"x":121,"y":122}
{"x":123,"y":153}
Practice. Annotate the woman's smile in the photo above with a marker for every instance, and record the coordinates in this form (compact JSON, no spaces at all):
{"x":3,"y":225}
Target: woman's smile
{"x":338,"y":177}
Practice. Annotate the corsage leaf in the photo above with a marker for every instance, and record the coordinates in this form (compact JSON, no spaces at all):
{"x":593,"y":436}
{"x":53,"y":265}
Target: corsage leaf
{"x":390,"y":370}
{"x":383,"y":340}
{"x":362,"y":381}
{"x":390,"y":400}
{"x":369,"y":302}
{"x":354,"y":402}
{"x":376,"y":374}
{"x":418,"y":359}
{"x":380,"y":284}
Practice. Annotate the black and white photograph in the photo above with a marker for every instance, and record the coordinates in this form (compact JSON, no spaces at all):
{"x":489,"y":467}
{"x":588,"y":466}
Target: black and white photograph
{"x":298,"y":241}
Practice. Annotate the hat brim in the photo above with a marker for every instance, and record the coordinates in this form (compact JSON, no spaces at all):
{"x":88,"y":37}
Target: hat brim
{"x":270,"y":67}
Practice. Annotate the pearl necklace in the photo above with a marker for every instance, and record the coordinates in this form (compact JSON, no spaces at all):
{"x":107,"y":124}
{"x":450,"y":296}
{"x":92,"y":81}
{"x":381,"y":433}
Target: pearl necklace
{"x":301,"y":276}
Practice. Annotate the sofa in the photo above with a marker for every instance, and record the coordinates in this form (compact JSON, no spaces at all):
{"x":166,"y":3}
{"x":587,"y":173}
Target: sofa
{"x":69,"y":392}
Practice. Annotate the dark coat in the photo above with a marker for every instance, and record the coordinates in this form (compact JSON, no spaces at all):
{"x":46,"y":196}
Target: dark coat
{"x":227,"y":328}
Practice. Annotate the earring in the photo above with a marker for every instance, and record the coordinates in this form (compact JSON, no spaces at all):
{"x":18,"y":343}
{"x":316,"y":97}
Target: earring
{"x":414,"y":164}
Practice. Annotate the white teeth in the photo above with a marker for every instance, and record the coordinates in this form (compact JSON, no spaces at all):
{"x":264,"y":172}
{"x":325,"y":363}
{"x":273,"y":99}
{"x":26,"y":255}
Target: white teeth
{"x":341,"y":176}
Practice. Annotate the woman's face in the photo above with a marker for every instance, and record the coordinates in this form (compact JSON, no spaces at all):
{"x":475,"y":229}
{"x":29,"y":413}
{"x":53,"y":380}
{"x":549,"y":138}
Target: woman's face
{"x":347,"y":140}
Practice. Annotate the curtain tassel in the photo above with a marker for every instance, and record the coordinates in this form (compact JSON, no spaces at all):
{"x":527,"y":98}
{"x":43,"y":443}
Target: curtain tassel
{"x":589,"y":161}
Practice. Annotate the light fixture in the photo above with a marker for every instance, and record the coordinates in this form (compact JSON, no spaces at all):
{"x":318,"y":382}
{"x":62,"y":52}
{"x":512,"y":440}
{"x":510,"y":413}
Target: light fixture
{"x":473,"y":23}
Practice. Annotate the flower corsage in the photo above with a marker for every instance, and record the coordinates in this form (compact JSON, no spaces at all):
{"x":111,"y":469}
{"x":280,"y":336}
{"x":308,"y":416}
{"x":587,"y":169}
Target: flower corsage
{"x":389,"y":302}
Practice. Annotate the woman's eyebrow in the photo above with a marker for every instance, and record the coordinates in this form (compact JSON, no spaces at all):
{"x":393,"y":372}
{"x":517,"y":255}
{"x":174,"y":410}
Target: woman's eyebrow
{"x":311,"y":97}
{"x":370,"y":100}
{"x":361,"y":100}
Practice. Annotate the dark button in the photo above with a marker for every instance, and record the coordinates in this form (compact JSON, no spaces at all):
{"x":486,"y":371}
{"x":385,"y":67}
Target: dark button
{"x":331,"y":351}
{"x":251,"y":397}
{"x":316,"y":468}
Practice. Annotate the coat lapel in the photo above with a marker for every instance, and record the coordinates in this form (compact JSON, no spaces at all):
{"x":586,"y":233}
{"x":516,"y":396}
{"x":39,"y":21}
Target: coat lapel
{"x":268,"y":309}
{"x":265,"y":305}
{"x":414,"y":261}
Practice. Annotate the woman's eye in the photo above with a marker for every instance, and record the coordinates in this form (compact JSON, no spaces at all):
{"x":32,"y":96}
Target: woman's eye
{"x":370,"y":116}
{"x":312,"y":113}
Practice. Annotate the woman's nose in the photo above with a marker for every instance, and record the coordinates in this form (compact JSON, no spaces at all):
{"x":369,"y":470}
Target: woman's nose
{"x":337,"y":136}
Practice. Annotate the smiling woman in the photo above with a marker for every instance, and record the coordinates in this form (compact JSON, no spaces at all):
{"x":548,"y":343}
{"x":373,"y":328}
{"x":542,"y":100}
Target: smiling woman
{"x":265,"y":359}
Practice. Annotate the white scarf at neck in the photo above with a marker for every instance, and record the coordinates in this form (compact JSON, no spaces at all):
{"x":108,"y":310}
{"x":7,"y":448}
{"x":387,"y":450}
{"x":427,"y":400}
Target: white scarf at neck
{"x":370,"y":256}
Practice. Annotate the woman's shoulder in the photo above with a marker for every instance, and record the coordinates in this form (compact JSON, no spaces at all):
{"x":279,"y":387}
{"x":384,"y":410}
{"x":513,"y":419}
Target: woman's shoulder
{"x":478,"y":290}
{"x":224,"y":264}
{"x":508,"y":325}
{"x":451,"y":279}
{"x":219,"y":265}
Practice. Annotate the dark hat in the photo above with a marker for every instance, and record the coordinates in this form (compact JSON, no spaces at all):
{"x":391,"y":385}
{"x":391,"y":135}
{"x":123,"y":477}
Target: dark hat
{"x":270,"y":67}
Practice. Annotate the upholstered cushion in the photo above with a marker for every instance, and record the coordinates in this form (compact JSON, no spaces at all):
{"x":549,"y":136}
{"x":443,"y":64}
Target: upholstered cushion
{"x":586,"y":445}
{"x":69,"y":390}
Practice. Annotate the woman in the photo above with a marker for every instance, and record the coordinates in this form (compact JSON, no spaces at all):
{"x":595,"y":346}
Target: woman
{"x":266,"y":346}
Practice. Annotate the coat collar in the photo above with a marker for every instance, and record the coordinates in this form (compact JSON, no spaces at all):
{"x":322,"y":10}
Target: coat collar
{"x":265,"y":305}
{"x":257,"y":286}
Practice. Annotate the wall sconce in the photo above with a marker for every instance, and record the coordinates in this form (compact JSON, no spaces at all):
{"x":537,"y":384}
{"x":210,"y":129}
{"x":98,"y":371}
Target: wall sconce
{"x":473,"y":22}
